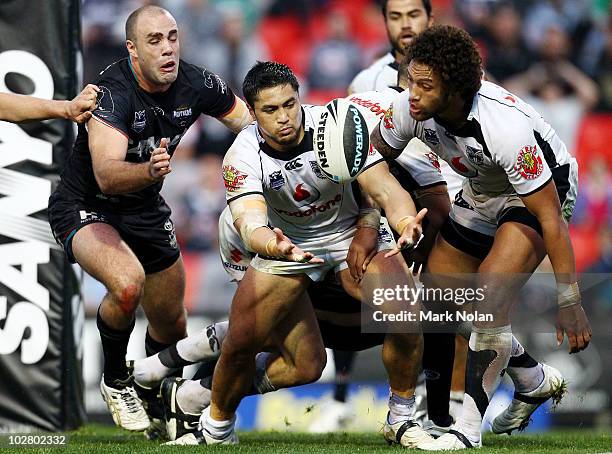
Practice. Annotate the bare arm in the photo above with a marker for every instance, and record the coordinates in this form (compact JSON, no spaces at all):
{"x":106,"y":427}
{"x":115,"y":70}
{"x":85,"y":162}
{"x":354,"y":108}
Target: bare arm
{"x":397,"y":203}
{"x":383,"y":147}
{"x":545,"y":206}
{"x":108,"y":148}
{"x":20,"y":108}
{"x":250,"y":215}
{"x":238,"y":117}
{"x":437,"y":202}
{"x":571,"y":318}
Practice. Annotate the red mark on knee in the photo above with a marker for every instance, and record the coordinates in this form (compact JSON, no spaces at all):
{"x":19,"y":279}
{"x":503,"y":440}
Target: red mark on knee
{"x":129,"y":299}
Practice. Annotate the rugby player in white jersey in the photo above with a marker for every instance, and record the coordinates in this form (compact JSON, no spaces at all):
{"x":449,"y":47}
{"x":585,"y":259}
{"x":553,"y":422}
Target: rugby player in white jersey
{"x":404,"y":20}
{"x":517,"y":198}
{"x":318,"y":220}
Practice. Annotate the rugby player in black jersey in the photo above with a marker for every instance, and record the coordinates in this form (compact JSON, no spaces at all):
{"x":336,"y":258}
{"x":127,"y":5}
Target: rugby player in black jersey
{"x":107,"y":211}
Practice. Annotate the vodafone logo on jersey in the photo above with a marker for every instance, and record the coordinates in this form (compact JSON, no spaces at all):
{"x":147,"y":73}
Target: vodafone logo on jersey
{"x":313,"y":208}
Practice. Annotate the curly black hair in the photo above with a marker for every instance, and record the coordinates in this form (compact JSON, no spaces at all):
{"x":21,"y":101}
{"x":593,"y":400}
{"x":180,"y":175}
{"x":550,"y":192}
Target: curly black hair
{"x":452,"y":54}
{"x":267,"y":74}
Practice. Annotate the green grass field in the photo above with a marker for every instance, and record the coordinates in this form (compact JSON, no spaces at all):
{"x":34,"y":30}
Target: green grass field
{"x":109,"y":440}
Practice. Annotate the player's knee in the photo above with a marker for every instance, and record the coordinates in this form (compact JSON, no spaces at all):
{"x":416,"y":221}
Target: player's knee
{"x":128,"y":292}
{"x":311,"y":368}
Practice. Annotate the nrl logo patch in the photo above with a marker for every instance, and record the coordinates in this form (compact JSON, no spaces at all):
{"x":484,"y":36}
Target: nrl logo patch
{"x":277,"y":181}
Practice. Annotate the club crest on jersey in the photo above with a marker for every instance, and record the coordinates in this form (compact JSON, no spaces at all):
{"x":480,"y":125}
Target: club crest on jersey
{"x":316,"y":170}
{"x":388,"y":118}
{"x":233,"y":178}
{"x":474,"y":154}
{"x":431,"y":136}
{"x":277,"y":181}
{"x":140,"y":121}
{"x":433,"y":159}
{"x":529,"y":163}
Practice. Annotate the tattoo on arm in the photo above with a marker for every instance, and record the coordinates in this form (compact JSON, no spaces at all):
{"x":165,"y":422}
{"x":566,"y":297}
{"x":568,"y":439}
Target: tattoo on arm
{"x":386,"y":150}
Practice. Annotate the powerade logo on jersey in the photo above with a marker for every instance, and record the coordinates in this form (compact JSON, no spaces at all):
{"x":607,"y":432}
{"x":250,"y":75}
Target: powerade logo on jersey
{"x":313,"y":209}
{"x":355,"y":141}
{"x":321,"y":140}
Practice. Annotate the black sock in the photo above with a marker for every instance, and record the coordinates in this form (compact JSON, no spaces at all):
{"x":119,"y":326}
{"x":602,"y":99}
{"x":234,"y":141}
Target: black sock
{"x":523,"y":360}
{"x":438,"y":358}
{"x":153,"y":347}
{"x":114,"y":348}
{"x":343,"y":361}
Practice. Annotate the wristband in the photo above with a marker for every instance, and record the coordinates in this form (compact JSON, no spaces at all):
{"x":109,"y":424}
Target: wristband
{"x":402,"y":223}
{"x":568,"y":295}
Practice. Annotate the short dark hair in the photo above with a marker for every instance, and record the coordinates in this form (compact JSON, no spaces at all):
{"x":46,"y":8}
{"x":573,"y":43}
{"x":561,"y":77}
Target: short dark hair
{"x":426,"y":5}
{"x":267,"y":74}
{"x":130,"y":23}
{"x":452,"y":54}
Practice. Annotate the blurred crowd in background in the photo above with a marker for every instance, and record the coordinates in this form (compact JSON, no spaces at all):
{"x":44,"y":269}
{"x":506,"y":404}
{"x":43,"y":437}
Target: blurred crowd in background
{"x":555,"y":54}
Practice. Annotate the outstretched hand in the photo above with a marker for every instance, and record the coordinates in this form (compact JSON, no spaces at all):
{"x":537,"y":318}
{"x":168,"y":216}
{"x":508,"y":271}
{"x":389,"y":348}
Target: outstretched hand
{"x":410,"y":235}
{"x":285,"y":249}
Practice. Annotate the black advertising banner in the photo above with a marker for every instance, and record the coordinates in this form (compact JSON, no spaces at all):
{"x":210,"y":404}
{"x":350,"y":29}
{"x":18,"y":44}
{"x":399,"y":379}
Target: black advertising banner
{"x":40,"y":306}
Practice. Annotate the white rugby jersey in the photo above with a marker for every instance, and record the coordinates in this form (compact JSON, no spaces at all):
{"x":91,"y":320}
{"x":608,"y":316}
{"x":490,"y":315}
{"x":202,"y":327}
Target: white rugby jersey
{"x":379,"y":75}
{"x":418,"y":166}
{"x":301,"y":201}
{"x":505,"y":148}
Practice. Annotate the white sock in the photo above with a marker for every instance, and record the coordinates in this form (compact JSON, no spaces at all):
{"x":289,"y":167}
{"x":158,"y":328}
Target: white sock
{"x":526,"y":373}
{"x":192,"y":397}
{"x":488,"y":356}
{"x":205,"y":345}
{"x":400,"y":408}
{"x":217,"y":429}
{"x":149,"y":372}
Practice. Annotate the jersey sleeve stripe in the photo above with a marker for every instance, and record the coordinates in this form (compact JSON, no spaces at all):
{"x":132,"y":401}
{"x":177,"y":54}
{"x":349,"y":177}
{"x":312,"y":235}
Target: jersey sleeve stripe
{"x":110,"y":125}
{"x":242,"y":195}
{"x":230,"y":110}
{"x":372,"y":164}
{"x":537,"y":189}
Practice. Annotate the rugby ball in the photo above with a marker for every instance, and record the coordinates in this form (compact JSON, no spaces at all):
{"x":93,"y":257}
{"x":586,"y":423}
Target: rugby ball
{"x":341,"y":141}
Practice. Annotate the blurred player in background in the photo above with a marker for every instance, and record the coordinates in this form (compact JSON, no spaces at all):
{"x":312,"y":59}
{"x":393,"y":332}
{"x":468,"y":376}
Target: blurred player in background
{"x":517,"y":198}
{"x":107,"y":212}
{"x":19,"y":108}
